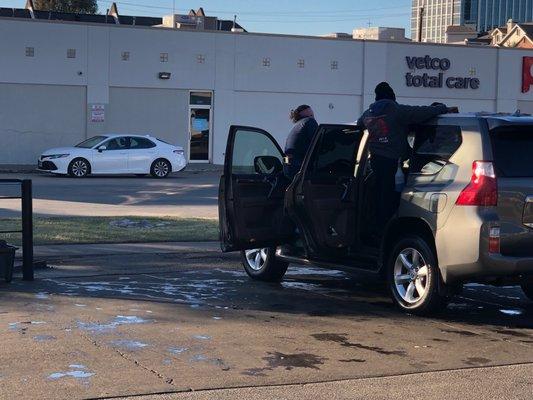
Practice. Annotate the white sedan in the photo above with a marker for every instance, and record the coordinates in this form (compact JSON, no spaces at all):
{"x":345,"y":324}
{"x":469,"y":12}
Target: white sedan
{"x":115,"y":154}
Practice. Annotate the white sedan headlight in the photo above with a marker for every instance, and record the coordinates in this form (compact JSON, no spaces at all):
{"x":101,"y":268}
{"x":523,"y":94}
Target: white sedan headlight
{"x":54,"y":156}
{"x":179,"y":152}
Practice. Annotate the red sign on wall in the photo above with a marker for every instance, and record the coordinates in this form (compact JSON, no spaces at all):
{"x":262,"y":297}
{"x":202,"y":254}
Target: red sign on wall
{"x":527,"y":74}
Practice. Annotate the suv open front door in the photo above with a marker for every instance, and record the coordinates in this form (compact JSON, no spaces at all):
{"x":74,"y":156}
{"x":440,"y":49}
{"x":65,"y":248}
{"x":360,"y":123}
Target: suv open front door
{"x":323,"y":200}
{"x":252,"y":191}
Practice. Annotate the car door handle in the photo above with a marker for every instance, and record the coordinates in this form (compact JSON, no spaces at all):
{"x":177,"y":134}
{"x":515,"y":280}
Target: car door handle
{"x":347,"y":186}
{"x":273,"y":181}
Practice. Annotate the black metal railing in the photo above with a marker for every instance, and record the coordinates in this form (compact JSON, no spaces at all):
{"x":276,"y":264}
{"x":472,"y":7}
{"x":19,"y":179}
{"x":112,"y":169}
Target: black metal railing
{"x":26,"y":203}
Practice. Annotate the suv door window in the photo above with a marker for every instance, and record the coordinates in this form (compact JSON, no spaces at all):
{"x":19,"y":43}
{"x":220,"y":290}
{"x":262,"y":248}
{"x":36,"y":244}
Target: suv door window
{"x":433,"y":145}
{"x":140,"y":143}
{"x":247,"y":146}
{"x":335,"y":154}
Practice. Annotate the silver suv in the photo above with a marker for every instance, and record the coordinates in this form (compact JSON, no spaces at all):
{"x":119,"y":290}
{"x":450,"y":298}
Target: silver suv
{"x":465,"y":212}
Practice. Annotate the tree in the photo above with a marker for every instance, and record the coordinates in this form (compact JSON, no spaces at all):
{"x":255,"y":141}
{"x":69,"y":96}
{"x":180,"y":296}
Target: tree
{"x":72,"y":6}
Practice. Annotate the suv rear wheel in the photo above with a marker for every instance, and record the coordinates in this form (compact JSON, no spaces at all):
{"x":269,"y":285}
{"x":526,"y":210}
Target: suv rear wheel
{"x":413,"y":276}
{"x":262,"y":264}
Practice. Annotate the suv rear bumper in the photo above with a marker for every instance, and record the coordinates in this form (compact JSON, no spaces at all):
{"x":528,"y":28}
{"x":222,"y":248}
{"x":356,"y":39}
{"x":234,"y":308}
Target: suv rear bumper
{"x":488,"y":264}
{"x":493,"y":265}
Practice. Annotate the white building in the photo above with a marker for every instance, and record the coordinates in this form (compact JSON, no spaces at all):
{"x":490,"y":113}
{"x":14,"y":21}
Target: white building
{"x":380,"y":33}
{"x":61,"y":82}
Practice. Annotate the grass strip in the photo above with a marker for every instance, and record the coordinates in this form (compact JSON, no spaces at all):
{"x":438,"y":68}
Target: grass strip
{"x":76,"y":230}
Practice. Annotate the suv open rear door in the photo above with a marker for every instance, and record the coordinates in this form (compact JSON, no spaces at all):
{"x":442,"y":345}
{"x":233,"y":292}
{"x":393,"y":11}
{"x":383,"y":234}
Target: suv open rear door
{"x":323,"y":199}
{"x":251,"y":191}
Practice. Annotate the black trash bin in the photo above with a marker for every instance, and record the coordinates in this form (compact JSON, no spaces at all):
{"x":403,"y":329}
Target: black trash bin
{"x":7,"y":260}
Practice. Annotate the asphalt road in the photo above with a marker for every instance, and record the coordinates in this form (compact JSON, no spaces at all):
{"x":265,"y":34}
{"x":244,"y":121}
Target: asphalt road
{"x":168,"y":323}
{"x":183,"y":194}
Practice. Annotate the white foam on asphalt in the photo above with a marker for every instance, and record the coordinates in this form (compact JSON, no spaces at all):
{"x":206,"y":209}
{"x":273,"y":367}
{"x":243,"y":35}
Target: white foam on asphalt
{"x":512,"y":312}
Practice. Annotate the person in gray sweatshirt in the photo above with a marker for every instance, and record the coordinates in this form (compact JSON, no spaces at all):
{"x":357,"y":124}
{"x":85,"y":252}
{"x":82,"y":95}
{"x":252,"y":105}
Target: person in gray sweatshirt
{"x":387,"y":123}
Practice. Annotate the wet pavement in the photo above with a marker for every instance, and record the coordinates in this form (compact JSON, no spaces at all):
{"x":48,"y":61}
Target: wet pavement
{"x":157,"y":323}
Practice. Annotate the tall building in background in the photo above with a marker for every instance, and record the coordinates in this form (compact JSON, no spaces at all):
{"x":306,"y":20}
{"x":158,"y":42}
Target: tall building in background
{"x":430,"y":18}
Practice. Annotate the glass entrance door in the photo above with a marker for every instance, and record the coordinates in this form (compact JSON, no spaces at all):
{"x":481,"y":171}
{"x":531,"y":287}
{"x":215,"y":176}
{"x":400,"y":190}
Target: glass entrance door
{"x":200,"y":132}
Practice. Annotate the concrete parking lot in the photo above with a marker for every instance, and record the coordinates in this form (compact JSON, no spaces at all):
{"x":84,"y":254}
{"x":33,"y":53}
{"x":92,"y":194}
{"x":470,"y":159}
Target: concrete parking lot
{"x":184,"y":194}
{"x":166,"y":321}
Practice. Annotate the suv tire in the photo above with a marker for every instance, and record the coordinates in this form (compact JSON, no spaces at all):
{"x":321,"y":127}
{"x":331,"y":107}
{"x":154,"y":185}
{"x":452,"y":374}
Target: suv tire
{"x":413,"y":276}
{"x":527,"y":288}
{"x":262,"y":264}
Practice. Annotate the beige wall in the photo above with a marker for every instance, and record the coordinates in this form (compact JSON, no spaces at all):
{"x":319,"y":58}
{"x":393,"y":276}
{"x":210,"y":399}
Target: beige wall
{"x":162,"y":113}
{"x":37,"y":117}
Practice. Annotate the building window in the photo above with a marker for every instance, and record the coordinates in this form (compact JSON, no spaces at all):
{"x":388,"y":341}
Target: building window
{"x":301,"y":63}
{"x":30,"y":51}
{"x":71,"y":53}
{"x":334,"y":64}
{"x":200,"y":98}
{"x":200,"y":58}
{"x":163,"y":57}
{"x":266,"y":62}
{"x":125,"y":56}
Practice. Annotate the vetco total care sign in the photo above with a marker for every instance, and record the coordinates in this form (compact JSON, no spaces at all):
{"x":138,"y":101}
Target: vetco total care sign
{"x":435,"y":77}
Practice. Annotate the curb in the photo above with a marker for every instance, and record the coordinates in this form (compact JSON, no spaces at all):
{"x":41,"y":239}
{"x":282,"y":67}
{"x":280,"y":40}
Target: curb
{"x":109,"y":249}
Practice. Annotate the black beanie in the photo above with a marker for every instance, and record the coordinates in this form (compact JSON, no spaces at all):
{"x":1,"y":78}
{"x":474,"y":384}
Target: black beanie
{"x":384,"y":91}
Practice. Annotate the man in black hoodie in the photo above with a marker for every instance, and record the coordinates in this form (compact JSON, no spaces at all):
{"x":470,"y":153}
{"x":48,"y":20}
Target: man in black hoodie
{"x":387,"y":123}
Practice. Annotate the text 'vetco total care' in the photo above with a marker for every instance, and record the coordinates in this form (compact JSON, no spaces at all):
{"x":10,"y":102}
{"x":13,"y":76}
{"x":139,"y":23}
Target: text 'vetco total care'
{"x":427,"y":80}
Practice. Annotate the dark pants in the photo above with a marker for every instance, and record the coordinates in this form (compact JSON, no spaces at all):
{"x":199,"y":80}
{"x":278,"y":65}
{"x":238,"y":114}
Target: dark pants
{"x":386,"y":199}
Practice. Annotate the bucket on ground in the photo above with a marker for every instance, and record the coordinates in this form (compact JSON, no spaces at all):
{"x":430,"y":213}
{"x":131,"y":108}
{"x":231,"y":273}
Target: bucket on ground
{"x":7,"y":260}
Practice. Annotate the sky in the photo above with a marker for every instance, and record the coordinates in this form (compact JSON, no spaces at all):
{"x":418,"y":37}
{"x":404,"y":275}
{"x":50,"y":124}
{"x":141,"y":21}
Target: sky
{"x":300,"y":17}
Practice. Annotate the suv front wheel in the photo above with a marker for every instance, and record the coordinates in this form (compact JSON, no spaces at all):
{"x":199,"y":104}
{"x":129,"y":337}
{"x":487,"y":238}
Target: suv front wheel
{"x":262,"y":264}
{"x":413,"y":276}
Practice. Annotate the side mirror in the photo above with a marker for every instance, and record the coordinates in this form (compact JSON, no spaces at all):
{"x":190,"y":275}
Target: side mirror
{"x":267,"y":165}
{"x":101,"y":148}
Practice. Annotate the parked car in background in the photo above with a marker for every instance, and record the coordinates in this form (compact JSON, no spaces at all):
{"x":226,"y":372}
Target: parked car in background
{"x":115,"y":154}
{"x":465,"y":214}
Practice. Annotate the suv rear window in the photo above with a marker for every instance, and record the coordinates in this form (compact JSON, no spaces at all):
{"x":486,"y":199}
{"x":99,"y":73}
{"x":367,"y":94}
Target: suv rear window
{"x":512,"y":147}
{"x":433,"y":145}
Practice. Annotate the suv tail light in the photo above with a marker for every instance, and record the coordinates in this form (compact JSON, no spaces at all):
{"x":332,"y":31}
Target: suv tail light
{"x":494,"y":239}
{"x":483,"y":187}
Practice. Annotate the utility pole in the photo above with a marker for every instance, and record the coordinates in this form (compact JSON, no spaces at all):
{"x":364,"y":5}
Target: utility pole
{"x":420,"y":21}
